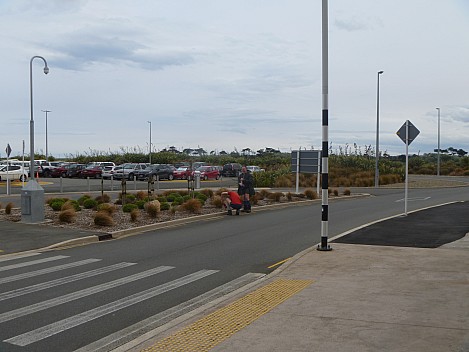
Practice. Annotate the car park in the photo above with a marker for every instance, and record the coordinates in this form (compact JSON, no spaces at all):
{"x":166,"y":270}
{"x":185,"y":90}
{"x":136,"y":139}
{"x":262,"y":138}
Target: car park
{"x":91,"y":172}
{"x":13,"y":172}
{"x":156,"y":171}
{"x":207,"y":172}
{"x":231,"y":170}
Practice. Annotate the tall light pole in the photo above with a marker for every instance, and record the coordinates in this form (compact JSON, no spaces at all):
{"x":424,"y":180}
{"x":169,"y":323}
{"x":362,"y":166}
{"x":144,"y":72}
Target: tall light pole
{"x":150,"y":143}
{"x":47,"y":151}
{"x":438,"y":159}
{"x":377,"y":137}
{"x":31,"y":122}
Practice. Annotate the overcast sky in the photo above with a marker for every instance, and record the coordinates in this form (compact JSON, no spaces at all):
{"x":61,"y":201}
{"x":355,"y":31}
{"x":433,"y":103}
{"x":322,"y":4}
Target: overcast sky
{"x":221,"y":74}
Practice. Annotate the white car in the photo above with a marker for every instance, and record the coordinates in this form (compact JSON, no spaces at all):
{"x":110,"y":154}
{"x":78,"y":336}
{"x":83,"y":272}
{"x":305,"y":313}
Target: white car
{"x":254,"y":168}
{"x":108,"y":171}
{"x":15,"y":172}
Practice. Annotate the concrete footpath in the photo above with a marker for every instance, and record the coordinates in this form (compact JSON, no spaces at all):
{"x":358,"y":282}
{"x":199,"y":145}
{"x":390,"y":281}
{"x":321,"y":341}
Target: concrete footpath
{"x":357,"y":297}
{"x":401,"y":284}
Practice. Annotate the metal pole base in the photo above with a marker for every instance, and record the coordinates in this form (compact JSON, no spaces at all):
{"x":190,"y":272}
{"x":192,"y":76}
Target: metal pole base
{"x":324,"y":246}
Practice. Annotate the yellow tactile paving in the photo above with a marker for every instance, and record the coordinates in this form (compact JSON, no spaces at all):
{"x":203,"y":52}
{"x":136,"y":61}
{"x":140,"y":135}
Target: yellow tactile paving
{"x":209,"y":331}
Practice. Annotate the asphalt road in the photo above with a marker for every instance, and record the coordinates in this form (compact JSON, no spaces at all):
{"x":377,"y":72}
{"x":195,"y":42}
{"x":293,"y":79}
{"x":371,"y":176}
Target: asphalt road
{"x":155,"y":276}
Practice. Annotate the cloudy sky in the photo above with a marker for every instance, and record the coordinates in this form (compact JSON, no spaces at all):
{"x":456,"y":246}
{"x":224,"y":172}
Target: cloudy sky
{"x":221,"y":74}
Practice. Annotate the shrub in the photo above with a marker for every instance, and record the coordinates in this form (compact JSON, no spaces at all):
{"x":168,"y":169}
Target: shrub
{"x":134,"y":214}
{"x":207,"y":192}
{"x":336,"y":192}
{"x":82,"y":199}
{"x":217,"y":201}
{"x":71,"y":204}
{"x":127,"y":208}
{"x":67,"y":215}
{"x":192,"y":206}
{"x":106,"y":207}
{"x":186,"y":198}
{"x":102,"y":218}
{"x":57,"y":203}
{"x":346,"y":192}
{"x":276,"y":196}
{"x":254,"y":199}
{"x":8,"y":208}
{"x":130,"y":198}
{"x":140,"y":203}
{"x":141,"y":195}
{"x":162,"y":199}
{"x":105,"y":198}
{"x":90,"y":203}
{"x":165,"y":206}
{"x":310,"y":194}
{"x":289,"y":196}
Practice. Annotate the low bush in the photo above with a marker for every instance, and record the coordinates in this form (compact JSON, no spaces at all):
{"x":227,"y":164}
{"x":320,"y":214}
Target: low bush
{"x":276,"y":196}
{"x":289,"y":196}
{"x":207,"y":192}
{"x":140,"y":203}
{"x":102,"y":218}
{"x":134,"y":214}
{"x":90,"y":203}
{"x":310,"y":194}
{"x":106,"y":207}
{"x":217,"y":202}
{"x":57,"y":203}
{"x":8,"y":208}
{"x":165,"y":206}
{"x":346,"y":192}
{"x":71,"y":204}
{"x":105,"y":198}
{"x":82,"y":199}
{"x":67,"y":215}
{"x":141,"y":195}
{"x":192,"y":206}
{"x":127,"y":208}
{"x":153,"y":208}
{"x":186,"y":198}
{"x":336,"y":192}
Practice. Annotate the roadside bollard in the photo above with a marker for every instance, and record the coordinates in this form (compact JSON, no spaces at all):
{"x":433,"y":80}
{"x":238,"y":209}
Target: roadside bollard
{"x":135,"y":183}
{"x":61,"y":185}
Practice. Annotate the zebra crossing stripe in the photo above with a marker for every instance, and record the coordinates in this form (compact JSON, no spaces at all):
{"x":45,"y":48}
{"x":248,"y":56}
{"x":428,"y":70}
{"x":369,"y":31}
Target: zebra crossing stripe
{"x":32,"y":262}
{"x":47,"y":270}
{"x":20,"y":312}
{"x":18,"y":256}
{"x":68,"y":323}
{"x":61,"y":281}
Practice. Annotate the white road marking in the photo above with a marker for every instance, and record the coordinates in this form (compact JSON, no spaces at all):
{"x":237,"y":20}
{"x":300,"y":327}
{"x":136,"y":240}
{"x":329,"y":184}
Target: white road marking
{"x":32,"y":262}
{"x":412,"y":199}
{"x":18,"y":256}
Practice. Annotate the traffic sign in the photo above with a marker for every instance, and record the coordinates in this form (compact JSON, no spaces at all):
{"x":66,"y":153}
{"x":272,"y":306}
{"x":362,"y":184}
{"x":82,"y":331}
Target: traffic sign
{"x":413,"y":132}
{"x":8,"y":150}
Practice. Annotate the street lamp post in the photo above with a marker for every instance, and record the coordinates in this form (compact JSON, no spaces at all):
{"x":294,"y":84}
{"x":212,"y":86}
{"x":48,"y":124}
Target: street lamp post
{"x":32,"y":195}
{"x":438,"y":159}
{"x":377,"y":136}
{"x":31,"y":122}
{"x":150,"y":143}
{"x":47,"y":151}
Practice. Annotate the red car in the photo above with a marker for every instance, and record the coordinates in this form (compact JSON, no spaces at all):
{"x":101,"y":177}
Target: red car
{"x":91,"y":172}
{"x":182,"y":173}
{"x":207,"y":172}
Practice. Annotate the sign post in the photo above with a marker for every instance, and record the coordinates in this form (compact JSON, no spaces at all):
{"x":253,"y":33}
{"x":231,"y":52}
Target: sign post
{"x":407,"y":133}
{"x":8,"y":151}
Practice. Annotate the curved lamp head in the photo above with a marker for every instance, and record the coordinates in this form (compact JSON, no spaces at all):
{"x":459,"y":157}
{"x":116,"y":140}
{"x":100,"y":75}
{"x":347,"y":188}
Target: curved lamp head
{"x":380,"y":72}
{"x":46,"y":69}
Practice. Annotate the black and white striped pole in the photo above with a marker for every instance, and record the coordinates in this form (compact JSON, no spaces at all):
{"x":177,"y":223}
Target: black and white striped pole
{"x":325,"y":138}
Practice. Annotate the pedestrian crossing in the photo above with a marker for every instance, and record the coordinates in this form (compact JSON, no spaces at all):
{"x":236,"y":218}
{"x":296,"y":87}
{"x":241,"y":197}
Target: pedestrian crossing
{"x":59,"y":281}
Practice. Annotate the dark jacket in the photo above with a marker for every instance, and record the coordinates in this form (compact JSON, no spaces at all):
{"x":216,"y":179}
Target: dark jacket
{"x":246,"y":184}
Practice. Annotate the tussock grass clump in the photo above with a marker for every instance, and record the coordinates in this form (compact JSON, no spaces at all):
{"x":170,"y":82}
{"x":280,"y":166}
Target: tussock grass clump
{"x":141,"y":195}
{"x":311,"y":194}
{"x":8,"y":208}
{"x":71,"y":204}
{"x":262,"y":194}
{"x":134,"y":214}
{"x":207,"y":192}
{"x":106,"y":207}
{"x":153,"y":208}
{"x":192,"y":206}
{"x":102,"y":218}
{"x":254,"y":199}
{"x":283,"y":181}
{"x":289,"y":196}
{"x":67,"y":215}
{"x":105,"y":198}
{"x":217,"y":202}
{"x":276,"y":196}
{"x":336,"y":192}
{"x":346,"y":192}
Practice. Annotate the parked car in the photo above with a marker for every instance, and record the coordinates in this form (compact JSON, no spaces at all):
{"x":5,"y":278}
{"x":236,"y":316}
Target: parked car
{"x":254,"y":168}
{"x":207,"y":172}
{"x":60,"y":171}
{"x":91,"y":172}
{"x":46,"y":168}
{"x":182,"y":173}
{"x":161,"y":171}
{"x":108,"y":171}
{"x":231,"y":170}
{"x":74,"y":170}
{"x":101,"y":163}
{"x":129,"y":170}
{"x":13,"y":172}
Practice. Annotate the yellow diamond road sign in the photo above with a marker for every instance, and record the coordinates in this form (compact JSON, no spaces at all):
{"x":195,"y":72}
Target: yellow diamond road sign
{"x":413,"y":132}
